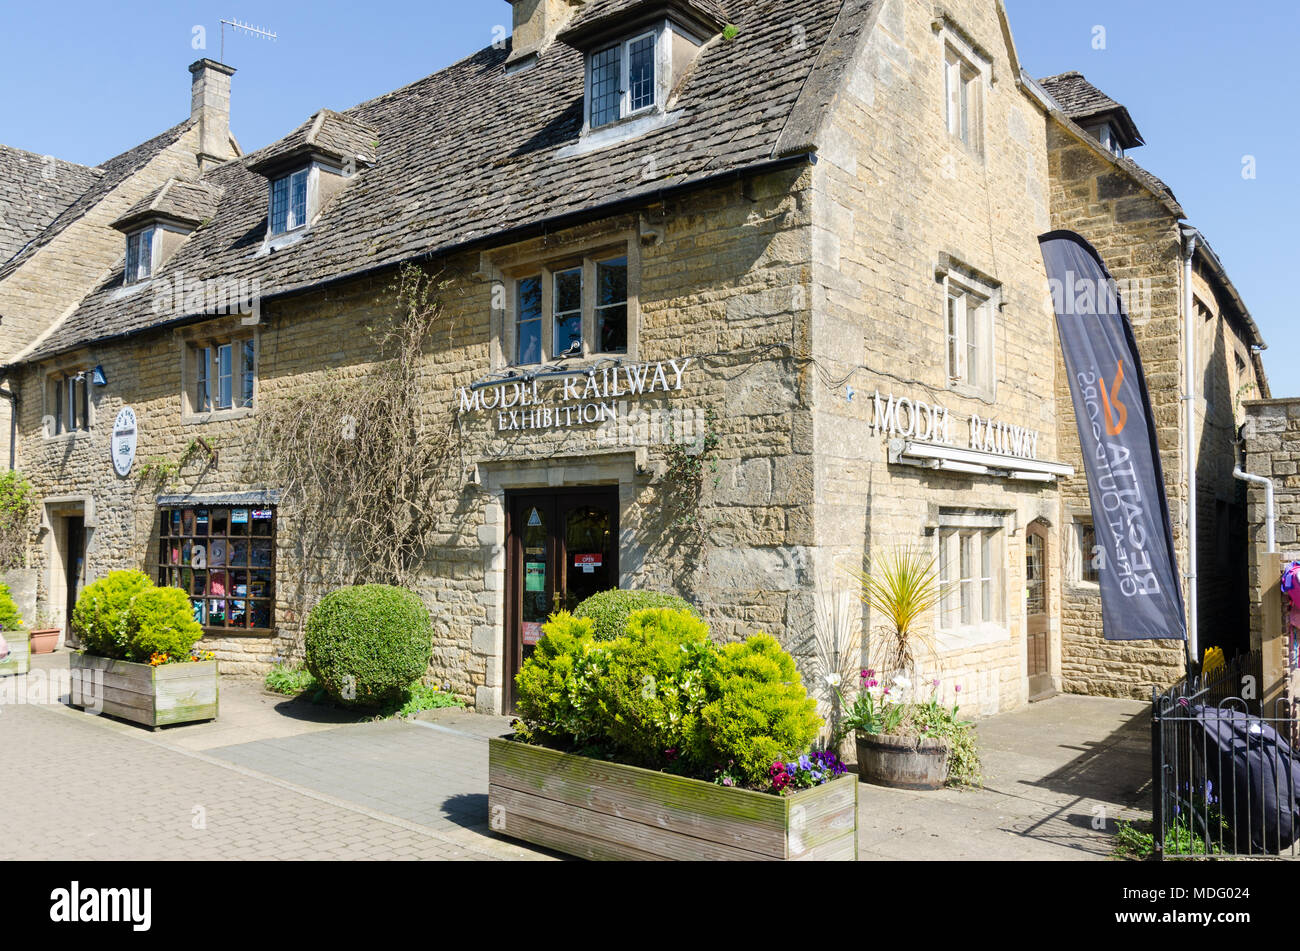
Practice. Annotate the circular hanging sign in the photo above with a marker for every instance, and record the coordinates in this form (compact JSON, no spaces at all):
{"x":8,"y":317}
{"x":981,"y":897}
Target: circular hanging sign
{"x":123,"y":443}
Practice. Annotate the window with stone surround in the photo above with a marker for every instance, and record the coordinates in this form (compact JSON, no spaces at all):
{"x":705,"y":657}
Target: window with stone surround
{"x":970,"y":306}
{"x":570,"y":308}
{"x":67,"y":401}
{"x":966,"y":70}
{"x":1085,"y":554}
{"x":971,"y":578}
{"x":223,"y":557}
{"x":220,"y":374}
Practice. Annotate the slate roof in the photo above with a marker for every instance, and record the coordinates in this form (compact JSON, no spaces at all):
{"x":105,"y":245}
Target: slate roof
{"x":188,"y":202}
{"x":34,"y":190}
{"x":1081,"y":101}
{"x":110,"y":174}
{"x":326,"y":133}
{"x":471,"y":153}
{"x":595,"y":14}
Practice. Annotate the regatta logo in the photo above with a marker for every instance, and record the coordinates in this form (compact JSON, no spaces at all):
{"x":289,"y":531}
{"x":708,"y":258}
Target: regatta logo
{"x":1116,"y":412}
{"x":102,"y":906}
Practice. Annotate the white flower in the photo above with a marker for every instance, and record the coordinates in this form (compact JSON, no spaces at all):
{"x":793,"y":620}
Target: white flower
{"x":833,"y":680}
{"x":902,"y":683}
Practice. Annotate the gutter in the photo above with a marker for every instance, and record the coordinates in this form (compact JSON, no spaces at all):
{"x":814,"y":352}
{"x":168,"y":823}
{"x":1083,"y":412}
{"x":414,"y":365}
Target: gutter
{"x":509,"y":236}
{"x":1190,"y":241}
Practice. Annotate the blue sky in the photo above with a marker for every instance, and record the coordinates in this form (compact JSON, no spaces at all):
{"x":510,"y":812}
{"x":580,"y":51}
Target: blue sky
{"x":1208,"y":84}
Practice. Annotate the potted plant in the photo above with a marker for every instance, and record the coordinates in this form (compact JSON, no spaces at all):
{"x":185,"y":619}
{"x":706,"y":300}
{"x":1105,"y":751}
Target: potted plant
{"x":45,"y":636}
{"x":657,"y":743}
{"x":140,"y":662}
{"x":901,"y":741}
{"x":16,"y":653}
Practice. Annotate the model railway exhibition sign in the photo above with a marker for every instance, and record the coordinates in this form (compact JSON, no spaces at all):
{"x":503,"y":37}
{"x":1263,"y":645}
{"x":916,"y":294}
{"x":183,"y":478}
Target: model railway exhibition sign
{"x":584,"y":398}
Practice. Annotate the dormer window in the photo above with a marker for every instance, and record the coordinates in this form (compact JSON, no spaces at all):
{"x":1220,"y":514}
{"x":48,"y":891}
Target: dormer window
{"x":622,"y":80}
{"x":289,"y":202}
{"x":139,"y":255}
{"x":1108,"y":136}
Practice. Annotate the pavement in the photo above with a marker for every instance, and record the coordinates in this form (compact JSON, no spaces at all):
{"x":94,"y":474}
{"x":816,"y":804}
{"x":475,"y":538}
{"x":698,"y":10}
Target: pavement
{"x":274,"y":778}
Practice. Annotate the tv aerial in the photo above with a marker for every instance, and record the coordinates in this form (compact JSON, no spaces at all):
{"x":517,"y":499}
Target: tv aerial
{"x":255,"y":31}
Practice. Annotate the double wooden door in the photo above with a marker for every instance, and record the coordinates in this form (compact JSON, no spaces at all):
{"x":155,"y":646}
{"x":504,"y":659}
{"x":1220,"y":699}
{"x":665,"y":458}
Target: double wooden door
{"x":563,"y":548}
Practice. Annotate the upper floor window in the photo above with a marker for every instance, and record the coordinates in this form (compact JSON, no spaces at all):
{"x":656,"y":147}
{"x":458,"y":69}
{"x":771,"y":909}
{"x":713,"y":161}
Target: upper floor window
{"x":571,"y":310}
{"x":289,"y":202}
{"x":970,"y":358}
{"x":68,"y":396}
{"x":223,"y":373}
{"x":139,"y":255}
{"x":622,"y":80}
{"x":964,"y":70}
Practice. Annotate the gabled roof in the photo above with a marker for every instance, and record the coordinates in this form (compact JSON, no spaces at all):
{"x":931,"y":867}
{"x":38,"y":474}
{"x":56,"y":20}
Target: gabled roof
{"x":472,"y":154}
{"x":327,"y":134}
{"x":598,"y":16}
{"x":34,"y":190}
{"x":110,"y":174}
{"x":189,"y":203}
{"x":1086,"y":104}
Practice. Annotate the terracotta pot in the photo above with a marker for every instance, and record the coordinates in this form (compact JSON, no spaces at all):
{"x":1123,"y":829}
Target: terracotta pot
{"x":902,"y":762}
{"x":44,"y":641}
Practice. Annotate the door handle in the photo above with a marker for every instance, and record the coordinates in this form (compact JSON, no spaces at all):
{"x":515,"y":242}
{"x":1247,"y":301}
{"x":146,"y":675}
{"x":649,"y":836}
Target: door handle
{"x":555,"y":600}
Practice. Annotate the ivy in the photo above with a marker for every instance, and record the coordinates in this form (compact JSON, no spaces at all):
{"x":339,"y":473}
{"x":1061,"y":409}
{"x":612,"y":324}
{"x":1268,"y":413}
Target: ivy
{"x":689,"y":465}
{"x":17,"y":503}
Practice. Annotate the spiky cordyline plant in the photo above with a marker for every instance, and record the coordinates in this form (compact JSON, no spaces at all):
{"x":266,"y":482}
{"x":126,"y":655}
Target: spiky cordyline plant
{"x":902,"y":585}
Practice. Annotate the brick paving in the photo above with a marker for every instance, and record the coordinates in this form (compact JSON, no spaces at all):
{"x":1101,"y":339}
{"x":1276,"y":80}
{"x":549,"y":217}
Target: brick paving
{"x":89,"y":788}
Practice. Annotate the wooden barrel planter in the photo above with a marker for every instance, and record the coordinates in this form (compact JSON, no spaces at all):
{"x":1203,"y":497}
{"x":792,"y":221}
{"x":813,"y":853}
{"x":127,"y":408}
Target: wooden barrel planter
{"x":20,"y":654}
{"x":152,"y":696}
{"x":902,"y":762}
{"x":606,"y":811}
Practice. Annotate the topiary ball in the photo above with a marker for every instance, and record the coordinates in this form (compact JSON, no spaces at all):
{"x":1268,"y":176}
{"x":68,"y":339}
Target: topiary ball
{"x":610,"y":610}
{"x":159,"y":621}
{"x":368,"y":643}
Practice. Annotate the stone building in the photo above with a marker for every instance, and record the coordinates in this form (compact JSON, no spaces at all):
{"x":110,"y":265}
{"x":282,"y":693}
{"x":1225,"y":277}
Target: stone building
{"x":733,"y":298}
{"x":1141,"y":232}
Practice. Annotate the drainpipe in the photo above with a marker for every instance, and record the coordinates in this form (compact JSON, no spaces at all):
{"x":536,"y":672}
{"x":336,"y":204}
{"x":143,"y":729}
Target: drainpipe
{"x":12,"y":397}
{"x":1268,"y":504}
{"x":1190,"y":237}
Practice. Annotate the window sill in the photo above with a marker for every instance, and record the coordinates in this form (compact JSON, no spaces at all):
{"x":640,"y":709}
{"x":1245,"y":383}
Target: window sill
{"x":616,"y":133}
{"x":263,"y":632}
{"x":217,"y":416}
{"x":975,"y":635}
{"x":983,"y":394}
{"x":68,"y":437}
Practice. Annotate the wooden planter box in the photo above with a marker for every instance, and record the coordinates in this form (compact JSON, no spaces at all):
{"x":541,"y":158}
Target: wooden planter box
{"x":599,"y":810}
{"x":19,"y":660}
{"x":152,"y":696}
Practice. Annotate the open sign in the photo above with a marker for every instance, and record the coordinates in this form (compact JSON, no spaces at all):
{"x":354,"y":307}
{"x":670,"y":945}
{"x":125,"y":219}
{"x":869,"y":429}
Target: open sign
{"x":589,"y":562}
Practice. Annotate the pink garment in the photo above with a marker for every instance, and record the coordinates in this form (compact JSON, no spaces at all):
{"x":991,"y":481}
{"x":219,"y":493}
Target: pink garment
{"x":4,"y":647}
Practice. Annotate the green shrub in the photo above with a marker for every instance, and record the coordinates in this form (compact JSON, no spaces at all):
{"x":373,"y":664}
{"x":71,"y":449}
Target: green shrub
{"x":289,"y":680}
{"x":423,"y":697}
{"x":758,"y":713}
{"x":10,"y":619}
{"x":649,"y":686}
{"x":367,"y":644}
{"x":159,"y":621}
{"x":97,"y":616}
{"x":16,"y":502}
{"x":552,"y":692}
{"x":611,"y":609}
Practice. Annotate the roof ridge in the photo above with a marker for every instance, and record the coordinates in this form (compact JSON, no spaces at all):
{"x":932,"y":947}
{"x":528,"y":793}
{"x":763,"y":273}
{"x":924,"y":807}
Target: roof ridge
{"x":44,"y":155}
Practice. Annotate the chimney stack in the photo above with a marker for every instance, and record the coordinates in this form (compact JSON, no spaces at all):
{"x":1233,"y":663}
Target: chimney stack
{"x":536,"y":22}
{"x":210,"y":105}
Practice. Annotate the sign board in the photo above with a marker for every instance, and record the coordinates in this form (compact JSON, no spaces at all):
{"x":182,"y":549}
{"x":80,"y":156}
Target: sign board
{"x":122,"y":445}
{"x":588,"y":563}
{"x":535,"y":576}
{"x":532,"y":632}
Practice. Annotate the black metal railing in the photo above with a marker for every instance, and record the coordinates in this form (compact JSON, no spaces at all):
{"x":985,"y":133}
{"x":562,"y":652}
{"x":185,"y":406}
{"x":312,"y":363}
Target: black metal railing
{"x":1225,"y":776}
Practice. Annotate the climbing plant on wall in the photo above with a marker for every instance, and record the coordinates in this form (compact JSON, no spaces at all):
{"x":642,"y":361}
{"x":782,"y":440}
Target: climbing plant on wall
{"x":16,"y":509}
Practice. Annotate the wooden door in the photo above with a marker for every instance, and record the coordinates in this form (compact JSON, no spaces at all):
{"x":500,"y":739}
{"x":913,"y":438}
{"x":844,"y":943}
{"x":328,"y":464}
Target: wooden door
{"x":1037,"y":612}
{"x":563,"y":548}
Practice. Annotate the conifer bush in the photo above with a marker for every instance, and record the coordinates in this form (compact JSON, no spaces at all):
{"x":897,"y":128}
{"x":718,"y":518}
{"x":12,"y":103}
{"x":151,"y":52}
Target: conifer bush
{"x":98,"y":614}
{"x":610,"y":610}
{"x":10,"y":619}
{"x":159,"y":621}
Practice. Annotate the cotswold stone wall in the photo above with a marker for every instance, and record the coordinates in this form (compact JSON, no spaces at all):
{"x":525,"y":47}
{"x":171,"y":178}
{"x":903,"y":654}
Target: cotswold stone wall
{"x":896,"y":196}
{"x":1138,"y":236}
{"x":721,"y":281}
{"x":1272,"y":449}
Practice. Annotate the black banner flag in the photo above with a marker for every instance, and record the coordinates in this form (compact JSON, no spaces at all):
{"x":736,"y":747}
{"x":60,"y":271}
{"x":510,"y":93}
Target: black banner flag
{"x":1141,"y":596}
